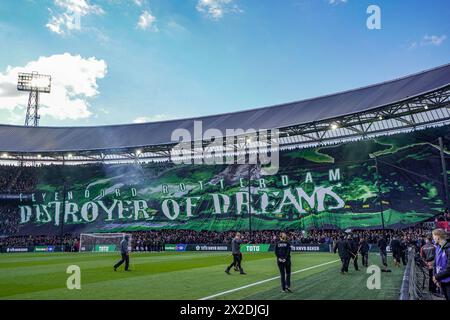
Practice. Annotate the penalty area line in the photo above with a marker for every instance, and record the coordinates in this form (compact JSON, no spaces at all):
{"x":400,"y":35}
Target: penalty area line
{"x":267,"y":280}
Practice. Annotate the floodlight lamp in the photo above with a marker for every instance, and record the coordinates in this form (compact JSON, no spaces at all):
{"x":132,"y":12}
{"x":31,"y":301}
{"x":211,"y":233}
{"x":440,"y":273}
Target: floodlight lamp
{"x":34,"y":82}
{"x":334,"y":126}
{"x":40,"y":82}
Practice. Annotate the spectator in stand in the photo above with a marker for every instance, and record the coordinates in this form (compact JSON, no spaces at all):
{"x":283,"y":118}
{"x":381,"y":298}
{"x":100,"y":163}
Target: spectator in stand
{"x":446,"y":215}
{"x":427,"y":253}
{"x":441,"y":274}
{"x":442,"y":217}
{"x":76,"y":245}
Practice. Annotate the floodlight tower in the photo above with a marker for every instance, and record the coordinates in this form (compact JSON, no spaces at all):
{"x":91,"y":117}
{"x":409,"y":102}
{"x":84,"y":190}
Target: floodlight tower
{"x":34,"y":83}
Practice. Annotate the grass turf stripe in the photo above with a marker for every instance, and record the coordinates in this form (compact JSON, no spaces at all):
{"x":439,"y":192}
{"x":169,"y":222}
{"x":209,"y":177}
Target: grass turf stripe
{"x":264,"y":281}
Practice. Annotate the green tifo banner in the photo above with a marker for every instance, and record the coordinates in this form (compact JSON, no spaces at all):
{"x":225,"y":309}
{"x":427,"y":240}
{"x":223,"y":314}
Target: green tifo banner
{"x":323,"y":187}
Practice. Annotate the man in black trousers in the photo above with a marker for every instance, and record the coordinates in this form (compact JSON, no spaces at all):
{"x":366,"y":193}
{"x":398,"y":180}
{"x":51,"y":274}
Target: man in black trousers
{"x":428,"y":253}
{"x":353,"y":254}
{"x":404,"y":250}
{"x":237,"y":256}
{"x":364,"y":251}
{"x":343,"y":249}
{"x":125,"y":254}
{"x":283,"y":253}
{"x":396,"y":251}
{"x":382,"y":245}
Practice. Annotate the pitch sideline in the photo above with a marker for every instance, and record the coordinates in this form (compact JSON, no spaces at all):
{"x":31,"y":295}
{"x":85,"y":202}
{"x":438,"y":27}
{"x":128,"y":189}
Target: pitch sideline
{"x":267,"y":280}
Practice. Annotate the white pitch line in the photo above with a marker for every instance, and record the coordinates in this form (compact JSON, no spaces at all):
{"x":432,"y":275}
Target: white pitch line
{"x":267,"y":280}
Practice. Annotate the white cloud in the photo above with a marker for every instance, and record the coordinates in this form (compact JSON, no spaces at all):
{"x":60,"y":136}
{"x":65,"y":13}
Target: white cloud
{"x":82,"y":7}
{"x":216,"y":9}
{"x":176,"y":27}
{"x":69,"y":14}
{"x":139,"y":3}
{"x":74,"y":83}
{"x":158,"y":117}
{"x":413,"y":45}
{"x":433,"y":40}
{"x":146,"y":20}
{"x":337,"y":1}
{"x":428,"y":41}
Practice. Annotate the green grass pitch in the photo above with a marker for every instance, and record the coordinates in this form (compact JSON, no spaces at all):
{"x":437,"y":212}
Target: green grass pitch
{"x":187,"y":275}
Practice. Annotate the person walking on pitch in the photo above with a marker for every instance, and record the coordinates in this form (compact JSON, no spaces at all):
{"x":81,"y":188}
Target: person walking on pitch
{"x":404,"y":250}
{"x":237,"y":256}
{"x":364,"y":251}
{"x":382,"y":245}
{"x":396,"y":251}
{"x":283,"y":253}
{"x":353,"y":254}
{"x":343,"y":248}
{"x":125,"y":254}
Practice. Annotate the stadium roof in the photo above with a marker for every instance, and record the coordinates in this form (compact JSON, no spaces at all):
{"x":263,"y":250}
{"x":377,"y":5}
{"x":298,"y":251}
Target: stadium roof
{"x":20,"y":139}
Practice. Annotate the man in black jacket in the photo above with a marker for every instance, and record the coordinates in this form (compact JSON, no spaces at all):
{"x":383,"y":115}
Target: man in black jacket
{"x":237,"y":255}
{"x":396,"y":251}
{"x":343,"y":249}
{"x":382,"y":245}
{"x":428,"y":253}
{"x":364,"y":250}
{"x":125,"y":254}
{"x":283,"y":253}
{"x":353,"y":254}
{"x":404,"y":250}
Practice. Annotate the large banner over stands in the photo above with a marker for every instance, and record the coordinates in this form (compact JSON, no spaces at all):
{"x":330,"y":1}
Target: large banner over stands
{"x":325,"y":187}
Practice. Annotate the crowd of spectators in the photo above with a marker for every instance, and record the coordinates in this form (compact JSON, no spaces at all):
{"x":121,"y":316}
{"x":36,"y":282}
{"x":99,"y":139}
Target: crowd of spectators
{"x":444,"y":216}
{"x":17,"y":179}
{"x":9,"y":219}
{"x":155,"y":240}
{"x":69,"y":242}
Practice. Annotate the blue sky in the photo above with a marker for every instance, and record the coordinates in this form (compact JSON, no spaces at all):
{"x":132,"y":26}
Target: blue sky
{"x":147,"y":60}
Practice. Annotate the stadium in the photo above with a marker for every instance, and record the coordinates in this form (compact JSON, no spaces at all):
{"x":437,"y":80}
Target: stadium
{"x":370,"y":163}
{"x":224,"y":158}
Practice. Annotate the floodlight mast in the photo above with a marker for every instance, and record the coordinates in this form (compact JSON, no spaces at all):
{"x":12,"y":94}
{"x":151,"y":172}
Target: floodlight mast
{"x":34,"y":83}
